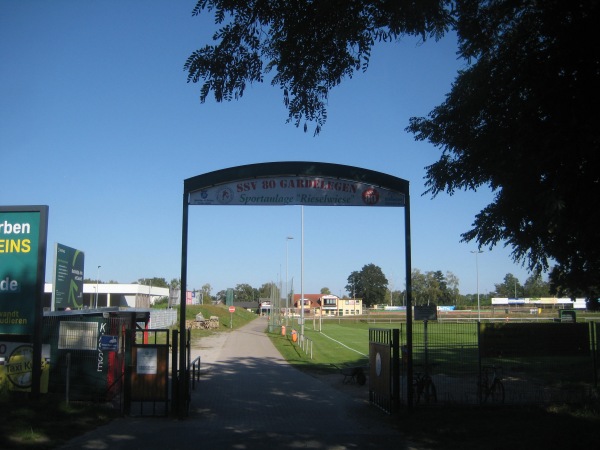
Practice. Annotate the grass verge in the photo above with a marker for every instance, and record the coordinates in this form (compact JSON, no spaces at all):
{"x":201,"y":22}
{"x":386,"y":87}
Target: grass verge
{"x":48,"y":422}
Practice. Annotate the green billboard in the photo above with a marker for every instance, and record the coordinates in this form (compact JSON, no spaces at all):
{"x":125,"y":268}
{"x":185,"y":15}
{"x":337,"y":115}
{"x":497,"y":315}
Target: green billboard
{"x":23,"y":231}
{"x":68,"y":278}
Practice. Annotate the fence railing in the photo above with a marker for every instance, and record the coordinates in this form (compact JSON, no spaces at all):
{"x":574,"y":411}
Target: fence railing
{"x":194,"y":372}
{"x":527,"y":363}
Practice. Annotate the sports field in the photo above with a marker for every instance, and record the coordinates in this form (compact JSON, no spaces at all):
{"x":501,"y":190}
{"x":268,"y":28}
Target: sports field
{"x":451,"y":354}
{"x":347,"y":341}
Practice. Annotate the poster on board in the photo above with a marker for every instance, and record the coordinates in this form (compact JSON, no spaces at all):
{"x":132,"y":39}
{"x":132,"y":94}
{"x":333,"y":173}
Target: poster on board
{"x":23,"y":233}
{"x":67,"y":289}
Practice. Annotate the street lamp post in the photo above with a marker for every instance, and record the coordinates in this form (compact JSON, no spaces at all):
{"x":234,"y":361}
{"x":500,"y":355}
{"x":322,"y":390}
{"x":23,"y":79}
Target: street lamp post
{"x":302,"y":274}
{"x":97,"y":282}
{"x":287,"y":307}
{"x":477,"y":252}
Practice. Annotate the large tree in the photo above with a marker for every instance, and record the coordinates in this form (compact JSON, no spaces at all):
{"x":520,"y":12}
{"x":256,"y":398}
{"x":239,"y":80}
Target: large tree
{"x":370,"y":284}
{"x":243,"y":292}
{"x":266,"y":290}
{"x":521,"y":118}
{"x":452,"y":291}
{"x":510,"y":287}
{"x":434,"y":287}
{"x":536,"y":287}
{"x":310,"y":45}
{"x":206,"y":290}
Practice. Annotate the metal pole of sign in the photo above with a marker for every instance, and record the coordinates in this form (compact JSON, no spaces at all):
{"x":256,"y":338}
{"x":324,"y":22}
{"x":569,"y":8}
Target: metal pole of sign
{"x":302,"y":279}
{"x":425,"y":344}
{"x":409,"y":328}
{"x":287,"y":297}
{"x":68,"y":380}
{"x":182,"y":389}
{"x":477,"y":252}
{"x":97,"y":283}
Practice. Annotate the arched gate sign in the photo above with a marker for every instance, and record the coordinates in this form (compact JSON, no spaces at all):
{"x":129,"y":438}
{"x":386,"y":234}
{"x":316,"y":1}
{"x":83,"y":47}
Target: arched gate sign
{"x":294,"y":183}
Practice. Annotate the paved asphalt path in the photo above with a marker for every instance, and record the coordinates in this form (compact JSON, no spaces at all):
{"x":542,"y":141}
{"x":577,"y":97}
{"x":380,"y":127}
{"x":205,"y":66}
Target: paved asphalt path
{"x":250,"y":398}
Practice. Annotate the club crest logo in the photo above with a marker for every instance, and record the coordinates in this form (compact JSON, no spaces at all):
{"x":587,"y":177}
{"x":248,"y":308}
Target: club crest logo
{"x":225,"y":195}
{"x":370,"y":196}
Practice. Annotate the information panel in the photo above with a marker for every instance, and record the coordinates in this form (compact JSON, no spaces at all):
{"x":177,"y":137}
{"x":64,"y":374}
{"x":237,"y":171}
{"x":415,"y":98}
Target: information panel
{"x":68,"y":278}
{"x":22,"y":261}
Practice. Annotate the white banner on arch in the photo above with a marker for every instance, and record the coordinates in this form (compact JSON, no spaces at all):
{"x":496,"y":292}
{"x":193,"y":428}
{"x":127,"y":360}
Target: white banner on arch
{"x":302,"y":190}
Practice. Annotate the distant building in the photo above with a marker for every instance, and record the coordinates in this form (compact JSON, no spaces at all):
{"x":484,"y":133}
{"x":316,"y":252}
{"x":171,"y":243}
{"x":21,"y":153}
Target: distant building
{"x":328,"y":305}
{"x":543,"y":302}
{"x":119,"y":295}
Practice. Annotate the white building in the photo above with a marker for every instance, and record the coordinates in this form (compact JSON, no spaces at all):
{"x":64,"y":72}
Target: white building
{"x":119,"y":295}
{"x":544,"y":302}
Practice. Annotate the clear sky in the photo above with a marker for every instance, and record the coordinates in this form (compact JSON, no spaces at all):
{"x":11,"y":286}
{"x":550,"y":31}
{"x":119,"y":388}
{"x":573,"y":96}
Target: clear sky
{"x":98,"y":122}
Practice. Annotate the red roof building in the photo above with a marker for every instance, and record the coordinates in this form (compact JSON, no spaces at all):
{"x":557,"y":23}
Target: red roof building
{"x":328,"y":305}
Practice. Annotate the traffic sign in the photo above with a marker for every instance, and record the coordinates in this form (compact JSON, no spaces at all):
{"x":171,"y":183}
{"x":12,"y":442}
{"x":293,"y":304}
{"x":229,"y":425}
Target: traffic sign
{"x":232,"y":309}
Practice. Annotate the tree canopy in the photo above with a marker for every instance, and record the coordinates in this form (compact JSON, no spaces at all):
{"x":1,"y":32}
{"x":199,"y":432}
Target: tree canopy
{"x":243,"y":292}
{"x":155,"y":282}
{"x":310,"y":45}
{"x":521,"y":118}
{"x":434,"y":287}
{"x":370,"y":284}
{"x":510,"y":287}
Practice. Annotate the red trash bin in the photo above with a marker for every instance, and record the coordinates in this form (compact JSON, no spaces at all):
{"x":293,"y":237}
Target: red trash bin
{"x":294,"y":335}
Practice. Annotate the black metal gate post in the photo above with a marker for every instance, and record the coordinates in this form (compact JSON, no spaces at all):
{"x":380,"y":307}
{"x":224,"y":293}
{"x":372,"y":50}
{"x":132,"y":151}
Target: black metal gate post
{"x":182,"y":376}
{"x":175,"y":373}
{"x":479,"y":393}
{"x":594,"y":341}
{"x":395,"y":369}
{"x":127,"y":385}
{"x":409,"y":305}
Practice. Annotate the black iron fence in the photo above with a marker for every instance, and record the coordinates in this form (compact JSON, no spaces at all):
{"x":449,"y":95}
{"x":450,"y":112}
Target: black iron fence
{"x":504,"y":363}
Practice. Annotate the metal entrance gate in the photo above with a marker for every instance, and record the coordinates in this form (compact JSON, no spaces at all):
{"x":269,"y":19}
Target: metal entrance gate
{"x":147,"y":373}
{"x":384,"y":368}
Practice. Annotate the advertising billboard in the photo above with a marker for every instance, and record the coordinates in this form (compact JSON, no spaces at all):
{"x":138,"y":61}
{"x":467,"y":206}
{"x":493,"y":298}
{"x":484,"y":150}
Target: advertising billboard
{"x":68,"y":278}
{"x":23,"y":233}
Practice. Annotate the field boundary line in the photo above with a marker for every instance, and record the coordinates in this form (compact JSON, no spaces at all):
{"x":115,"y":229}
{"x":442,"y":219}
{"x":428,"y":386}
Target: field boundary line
{"x":343,"y":345}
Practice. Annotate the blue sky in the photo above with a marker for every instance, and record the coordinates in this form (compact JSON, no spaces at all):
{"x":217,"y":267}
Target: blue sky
{"x":98,"y":122}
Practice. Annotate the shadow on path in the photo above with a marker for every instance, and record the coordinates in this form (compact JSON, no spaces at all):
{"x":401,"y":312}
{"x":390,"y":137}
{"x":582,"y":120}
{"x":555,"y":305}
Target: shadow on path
{"x":250,"y":398}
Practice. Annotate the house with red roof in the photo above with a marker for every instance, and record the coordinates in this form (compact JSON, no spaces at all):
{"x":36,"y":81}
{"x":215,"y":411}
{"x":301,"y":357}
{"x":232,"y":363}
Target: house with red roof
{"x":328,"y":305}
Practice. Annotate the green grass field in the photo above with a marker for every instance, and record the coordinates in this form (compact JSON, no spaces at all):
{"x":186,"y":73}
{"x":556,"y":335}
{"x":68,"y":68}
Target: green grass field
{"x":346,"y":342}
{"x":452,"y":349}
{"x":337,"y":344}
{"x":544,"y":426}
